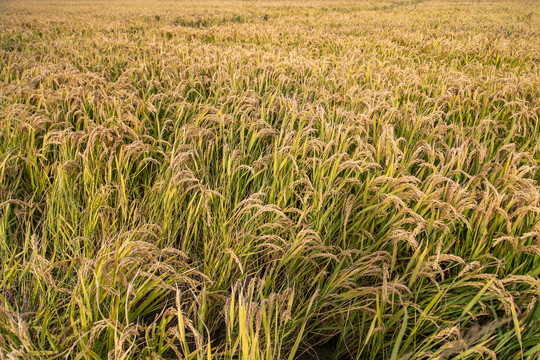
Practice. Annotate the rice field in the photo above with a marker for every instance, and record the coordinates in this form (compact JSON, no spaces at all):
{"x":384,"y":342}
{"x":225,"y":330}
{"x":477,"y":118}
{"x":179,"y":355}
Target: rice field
{"x":259,"y":180}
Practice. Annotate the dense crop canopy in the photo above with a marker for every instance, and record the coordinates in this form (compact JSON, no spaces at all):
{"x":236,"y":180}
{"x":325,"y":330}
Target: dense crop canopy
{"x":270,"y":180}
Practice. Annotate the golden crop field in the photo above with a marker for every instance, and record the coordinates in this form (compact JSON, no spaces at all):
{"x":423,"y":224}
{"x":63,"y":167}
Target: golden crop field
{"x":270,"y":179}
